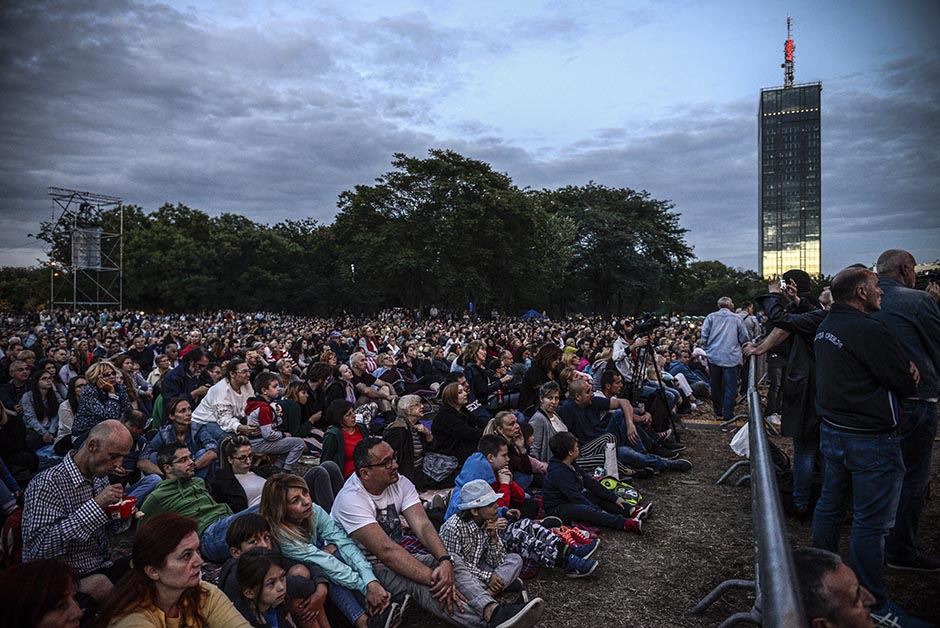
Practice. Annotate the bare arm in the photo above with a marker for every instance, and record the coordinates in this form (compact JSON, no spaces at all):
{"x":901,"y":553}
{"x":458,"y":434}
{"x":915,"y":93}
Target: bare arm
{"x":392,"y":555}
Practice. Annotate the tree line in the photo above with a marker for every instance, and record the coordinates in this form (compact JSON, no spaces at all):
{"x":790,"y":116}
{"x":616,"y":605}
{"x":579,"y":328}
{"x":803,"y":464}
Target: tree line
{"x":444,"y":230}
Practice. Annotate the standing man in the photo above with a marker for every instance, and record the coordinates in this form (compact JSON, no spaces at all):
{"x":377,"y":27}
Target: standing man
{"x":723,"y":333}
{"x":914,"y":319}
{"x":861,"y":373}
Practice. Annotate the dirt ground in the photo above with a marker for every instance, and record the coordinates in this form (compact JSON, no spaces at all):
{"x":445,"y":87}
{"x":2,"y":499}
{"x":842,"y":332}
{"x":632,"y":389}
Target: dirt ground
{"x":698,"y":535}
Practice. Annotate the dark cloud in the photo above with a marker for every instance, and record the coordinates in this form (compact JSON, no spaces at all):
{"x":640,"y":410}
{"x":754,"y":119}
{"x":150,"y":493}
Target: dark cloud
{"x":157,"y":105}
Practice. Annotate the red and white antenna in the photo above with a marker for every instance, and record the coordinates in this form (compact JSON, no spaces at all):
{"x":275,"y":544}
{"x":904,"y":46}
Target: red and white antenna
{"x":788,"y":48}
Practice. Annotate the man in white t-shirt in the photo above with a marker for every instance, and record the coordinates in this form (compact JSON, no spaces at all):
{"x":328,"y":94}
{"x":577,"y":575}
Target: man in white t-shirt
{"x":370,"y":506}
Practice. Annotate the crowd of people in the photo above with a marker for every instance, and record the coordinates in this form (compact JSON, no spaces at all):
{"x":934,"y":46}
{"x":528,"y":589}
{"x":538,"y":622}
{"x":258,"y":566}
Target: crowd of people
{"x":340,"y":471}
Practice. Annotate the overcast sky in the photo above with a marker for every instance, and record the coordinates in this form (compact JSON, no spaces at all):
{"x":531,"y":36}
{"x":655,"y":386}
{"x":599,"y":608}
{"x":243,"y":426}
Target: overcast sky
{"x":271,"y":109}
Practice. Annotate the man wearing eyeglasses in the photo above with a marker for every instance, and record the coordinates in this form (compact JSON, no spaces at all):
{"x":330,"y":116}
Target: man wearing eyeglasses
{"x":184,"y":493}
{"x":369,"y":507}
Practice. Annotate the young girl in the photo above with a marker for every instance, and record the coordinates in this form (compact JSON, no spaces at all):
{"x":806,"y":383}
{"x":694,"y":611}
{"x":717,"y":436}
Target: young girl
{"x":262,"y":584}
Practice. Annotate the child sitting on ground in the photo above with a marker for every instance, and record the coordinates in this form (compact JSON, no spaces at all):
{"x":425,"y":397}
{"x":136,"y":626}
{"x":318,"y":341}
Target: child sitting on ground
{"x":473,"y":534}
{"x":262,"y":584}
{"x":523,"y":536}
{"x":570,"y":493}
{"x":307,"y":586}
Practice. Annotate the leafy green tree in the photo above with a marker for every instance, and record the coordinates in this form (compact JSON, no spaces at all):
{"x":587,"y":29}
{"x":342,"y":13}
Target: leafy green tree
{"x":627,"y":247}
{"x":703,"y":283}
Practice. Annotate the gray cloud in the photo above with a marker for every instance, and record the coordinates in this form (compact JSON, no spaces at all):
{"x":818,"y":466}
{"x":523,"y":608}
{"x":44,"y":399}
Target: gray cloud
{"x":157,"y":105}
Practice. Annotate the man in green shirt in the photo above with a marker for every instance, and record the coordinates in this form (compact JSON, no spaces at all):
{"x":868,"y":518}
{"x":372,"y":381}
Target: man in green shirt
{"x":184,"y":493}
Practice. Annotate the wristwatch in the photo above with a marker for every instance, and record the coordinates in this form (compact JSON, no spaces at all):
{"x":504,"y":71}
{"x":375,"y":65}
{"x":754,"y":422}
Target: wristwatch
{"x":447,"y":558}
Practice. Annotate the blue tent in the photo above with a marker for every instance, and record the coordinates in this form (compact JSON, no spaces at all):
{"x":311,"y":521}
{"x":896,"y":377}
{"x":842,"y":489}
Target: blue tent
{"x":528,"y":316}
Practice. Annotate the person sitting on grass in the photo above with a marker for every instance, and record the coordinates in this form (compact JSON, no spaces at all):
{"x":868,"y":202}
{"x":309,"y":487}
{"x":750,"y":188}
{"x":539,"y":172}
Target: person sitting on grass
{"x":570,"y":493}
{"x":491,"y":463}
{"x":305,"y":532}
{"x":252,"y":532}
{"x":479,"y":535}
{"x":262,"y":588}
{"x":263,"y":412}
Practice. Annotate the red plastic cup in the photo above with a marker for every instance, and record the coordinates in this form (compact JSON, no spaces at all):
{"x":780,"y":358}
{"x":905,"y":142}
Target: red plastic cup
{"x":122,"y":509}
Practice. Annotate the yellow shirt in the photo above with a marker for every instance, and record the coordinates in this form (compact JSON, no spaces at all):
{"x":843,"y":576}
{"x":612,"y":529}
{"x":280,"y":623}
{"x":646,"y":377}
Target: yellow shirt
{"x":217,"y":609}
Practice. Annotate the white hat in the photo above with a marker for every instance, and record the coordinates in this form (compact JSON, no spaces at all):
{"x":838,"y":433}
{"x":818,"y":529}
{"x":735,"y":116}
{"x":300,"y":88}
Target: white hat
{"x":476,"y":494}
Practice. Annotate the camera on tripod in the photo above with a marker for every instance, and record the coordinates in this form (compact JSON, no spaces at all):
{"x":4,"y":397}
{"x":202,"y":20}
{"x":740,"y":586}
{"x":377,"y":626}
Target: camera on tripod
{"x":646,"y":324}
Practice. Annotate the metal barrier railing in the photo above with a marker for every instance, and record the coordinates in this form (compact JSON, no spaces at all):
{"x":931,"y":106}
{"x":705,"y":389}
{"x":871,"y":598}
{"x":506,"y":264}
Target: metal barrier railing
{"x":776,"y":601}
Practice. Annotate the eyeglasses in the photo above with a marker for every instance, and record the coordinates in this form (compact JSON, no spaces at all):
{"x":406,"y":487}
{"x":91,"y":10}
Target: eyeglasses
{"x":109,"y":374}
{"x":242,"y":458}
{"x":387,"y":463}
{"x":183,"y":459}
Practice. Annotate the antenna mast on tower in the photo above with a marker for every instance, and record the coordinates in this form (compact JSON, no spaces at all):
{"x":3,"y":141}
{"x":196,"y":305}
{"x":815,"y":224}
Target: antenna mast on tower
{"x":788,"y":48}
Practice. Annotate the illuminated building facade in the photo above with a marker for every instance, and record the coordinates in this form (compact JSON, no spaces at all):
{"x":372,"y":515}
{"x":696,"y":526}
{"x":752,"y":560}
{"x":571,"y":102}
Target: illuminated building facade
{"x":790,"y":224}
{"x":790,"y":179}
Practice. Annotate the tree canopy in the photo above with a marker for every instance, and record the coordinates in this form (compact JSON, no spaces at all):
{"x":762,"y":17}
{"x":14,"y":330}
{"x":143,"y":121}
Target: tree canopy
{"x":446,"y":230}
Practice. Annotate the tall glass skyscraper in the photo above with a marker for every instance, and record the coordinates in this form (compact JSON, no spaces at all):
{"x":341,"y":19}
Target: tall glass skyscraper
{"x":790,"y":185}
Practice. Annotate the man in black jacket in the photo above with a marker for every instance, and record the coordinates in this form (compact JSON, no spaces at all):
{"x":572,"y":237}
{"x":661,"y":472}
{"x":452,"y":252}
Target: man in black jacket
{"x":861,"y":373}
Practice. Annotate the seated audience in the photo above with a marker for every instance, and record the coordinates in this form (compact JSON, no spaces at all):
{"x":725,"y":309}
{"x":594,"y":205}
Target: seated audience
{"x":456,"y":432}
{"x":235,"y":483}
{"x":571,"y":494}
{"x":165,"y":586}
{"x":491,"y":463}
{"x":411,"y":440}
{"x":222,"y":411}
{"x":306,"y":533}
{"x":102,"y":399}
{"x":180,"y":430}
{"x":342,"y":436}
{"x":64,"y":514}
{"x":67,"y":410}
{"x":184,"y":493}
{"x":369,"y":509}
{"x":264,"y":413}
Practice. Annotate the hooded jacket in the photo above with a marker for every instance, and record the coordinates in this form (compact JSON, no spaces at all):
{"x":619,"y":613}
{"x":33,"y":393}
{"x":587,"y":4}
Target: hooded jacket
{"x":477,"y":467}
{"x":266,"y":415}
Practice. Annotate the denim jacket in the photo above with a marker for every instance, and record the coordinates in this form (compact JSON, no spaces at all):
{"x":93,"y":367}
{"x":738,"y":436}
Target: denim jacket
{"x":914,"y":319}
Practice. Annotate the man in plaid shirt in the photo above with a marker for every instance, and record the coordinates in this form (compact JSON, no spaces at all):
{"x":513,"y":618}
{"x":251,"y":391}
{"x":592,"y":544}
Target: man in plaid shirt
{"x":64,"y":512}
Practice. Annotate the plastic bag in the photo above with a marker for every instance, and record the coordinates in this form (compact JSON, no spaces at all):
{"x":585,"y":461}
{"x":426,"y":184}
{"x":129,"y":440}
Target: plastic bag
{"x":739,"y":442}
{"x":610,"y":461}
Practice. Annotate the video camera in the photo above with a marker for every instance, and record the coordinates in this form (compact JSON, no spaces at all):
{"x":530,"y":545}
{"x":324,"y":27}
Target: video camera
{"x":646,"y":324}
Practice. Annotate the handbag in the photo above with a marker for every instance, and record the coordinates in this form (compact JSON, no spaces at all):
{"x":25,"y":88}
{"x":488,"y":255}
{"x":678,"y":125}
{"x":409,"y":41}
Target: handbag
{"x":438,"y":466}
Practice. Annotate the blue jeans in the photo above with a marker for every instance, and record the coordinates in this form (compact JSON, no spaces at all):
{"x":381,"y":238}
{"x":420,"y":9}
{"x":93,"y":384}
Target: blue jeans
{"x":918,"y":428}
{"x":724,"y":384}
{"x":871,"y":468}
{"x":216,"y":432}
{"x":648,"y":390}
{"x":144,"y":486}
{"x":213,"y":545}
{"x":804,"y":461}
{"x":633,"y":455}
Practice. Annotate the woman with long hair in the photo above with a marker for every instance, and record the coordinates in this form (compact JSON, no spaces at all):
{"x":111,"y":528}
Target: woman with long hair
{"x":341,"y":387}
{"x":180,"y":429}
{"x":306,"y":533}
{"x":262,"y":588}
{"x":342,"y":436}
{"x":164,"y":586}
{"x":294,"y":403}
{"x":40,"y":594}
{"x":235,"y":483}
{"x":456,"y":432}
{"x":41,"y":410}
{"x":542,"y":370}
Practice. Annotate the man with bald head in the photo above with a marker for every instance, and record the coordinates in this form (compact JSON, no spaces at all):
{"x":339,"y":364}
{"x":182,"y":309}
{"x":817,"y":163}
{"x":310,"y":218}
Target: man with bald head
{"x":861,"y":374}
{"x":914,"y":319}
{"x":64,"y":512}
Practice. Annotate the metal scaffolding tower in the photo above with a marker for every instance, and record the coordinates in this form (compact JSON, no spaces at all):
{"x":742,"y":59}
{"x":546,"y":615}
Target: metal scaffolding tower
{"x":87,"y":255}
